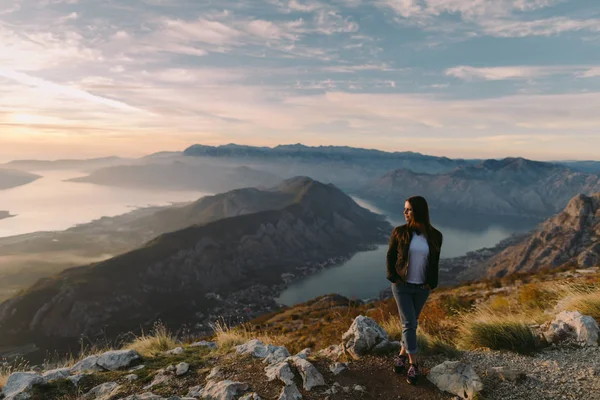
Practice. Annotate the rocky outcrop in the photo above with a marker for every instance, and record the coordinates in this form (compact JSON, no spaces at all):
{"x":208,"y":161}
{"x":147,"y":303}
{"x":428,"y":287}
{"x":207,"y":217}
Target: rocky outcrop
{"x":512,"y":186}
{"x":571,"y":237}
{"x":457,"y":378}
{"x":365,"y":336}
{"x":582,"y":328}
{"x":187,"y":275}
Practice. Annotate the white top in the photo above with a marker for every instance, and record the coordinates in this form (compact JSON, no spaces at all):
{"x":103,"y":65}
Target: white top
{"x":418,"y":255}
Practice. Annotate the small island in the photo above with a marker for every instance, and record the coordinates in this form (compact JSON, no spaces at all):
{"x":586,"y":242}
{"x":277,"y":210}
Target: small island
{"x":5,"y":214}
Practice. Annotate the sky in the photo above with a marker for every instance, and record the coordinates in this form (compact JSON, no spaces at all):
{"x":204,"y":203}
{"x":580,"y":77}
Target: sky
{"x":459,"y":78}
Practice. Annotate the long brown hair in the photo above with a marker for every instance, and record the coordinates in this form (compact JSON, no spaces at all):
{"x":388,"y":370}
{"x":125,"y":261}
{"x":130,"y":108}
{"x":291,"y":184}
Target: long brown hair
{"x":421,"y":217}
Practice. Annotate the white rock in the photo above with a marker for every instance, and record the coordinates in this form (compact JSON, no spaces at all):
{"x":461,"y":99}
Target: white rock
{"x":103,"y":391}
{"x":171,"y":368}
{"x":271,"y":354}
{"x":160,"y":377}
{"x":76,"y":378}
{"x":277,"y":354}
{"x":87,"y":364}
{"x":337,"y":367}
{"x":19,"y":382}
{"x":195,"y":391}
{"x":117,"y":359}
{"x":144,"y":396}
{"x":365,"y":336}
{"x":214,"y":374}
{"x":290,"y":392}
{"x":332,"y":352}
{"x":281,"y":371}
{"x":54,"y":374}
{"x":304,"y":353}
{"x":137,"y":368}
{"x":204,"y":343}
{"x":175,"y":352}
{"x":223,"y":390}
{"x":250,"y":396}
{"x":182,"y":369}
{"x":457,"y":378}
{"x":359,"y":388}
{"x":585,"y":327}
{"x":131,"y":378}
{"x":311,"y":377}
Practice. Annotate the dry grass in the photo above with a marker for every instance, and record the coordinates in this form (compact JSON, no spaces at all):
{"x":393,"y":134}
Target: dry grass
{"x":487,"y":328}
{"x":7,"y":368}
{"x":227,"y":337}
{"x":160,"y":339}
{"x":585,"y":301}
{"x":428,"y":343}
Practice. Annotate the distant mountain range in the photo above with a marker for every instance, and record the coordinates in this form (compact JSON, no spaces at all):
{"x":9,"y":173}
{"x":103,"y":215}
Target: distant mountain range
{"x":183,"y":276}
{"x":179,"y":175}
{"x":85,"y":164}
{"x":512,"y":186}
{"x":583,"y":166}
{"x":12,"y":178}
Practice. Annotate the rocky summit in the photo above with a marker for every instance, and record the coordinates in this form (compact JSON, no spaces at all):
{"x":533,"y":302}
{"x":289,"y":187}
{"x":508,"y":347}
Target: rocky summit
{"x":228,"y":268}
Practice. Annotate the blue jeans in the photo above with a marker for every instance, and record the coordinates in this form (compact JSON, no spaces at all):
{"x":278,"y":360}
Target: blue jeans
{"x":410,"y":300}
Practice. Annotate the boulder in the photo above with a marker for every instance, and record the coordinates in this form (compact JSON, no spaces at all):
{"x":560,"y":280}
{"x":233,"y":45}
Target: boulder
{"x":88,"y":364}
{"x":277,"y":354}
{"x":223,"y":390}
{"x":250,"y":396}
{"x":457,"y":378}
{"x":175,"y":352}
{"x":54,"y":374}
{"x":365,"y":336}
{"x":117,"y":359}
{"x":506,"y":374}
{"x":131,"y":378}
{"x":195,"y":391}
{"x":182,"y":369}
{"x":144,"y":396}
{"x":19,"y":382}
{"x":337,"y":367}
{"x":311,"y":377}
{"x":214,"y":374}
{"x":161,"y":377}
{"x":290,"y":392}
{"x":271,"y":354}
{"x":332,"y":352}
{"x":584,"y":327}
{"x":304,"y":353}
{"x":103,"y":391}
{"x":281,"y":371}
{"x":76,"y":378}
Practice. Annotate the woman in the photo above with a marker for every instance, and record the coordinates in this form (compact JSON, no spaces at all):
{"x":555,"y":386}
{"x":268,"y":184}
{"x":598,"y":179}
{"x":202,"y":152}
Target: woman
{"x":412,"y":267}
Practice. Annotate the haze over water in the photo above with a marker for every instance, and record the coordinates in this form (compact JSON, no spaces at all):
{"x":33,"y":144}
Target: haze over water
{"x":50,"y":204}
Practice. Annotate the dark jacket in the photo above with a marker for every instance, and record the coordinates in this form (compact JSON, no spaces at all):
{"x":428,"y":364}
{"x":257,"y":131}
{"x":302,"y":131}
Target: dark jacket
{"x":397,"y":256}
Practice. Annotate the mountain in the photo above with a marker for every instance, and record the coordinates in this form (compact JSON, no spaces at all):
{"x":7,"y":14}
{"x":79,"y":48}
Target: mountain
{"x":11,"y":178}
{"x":583,"y":166}
{"x":86,"y":164}
{"x":512,"y":186}
{"x":571,"y":237}
{"x":180,"y":176}
{"x":190,"y":275}
{"x":346,"y":167}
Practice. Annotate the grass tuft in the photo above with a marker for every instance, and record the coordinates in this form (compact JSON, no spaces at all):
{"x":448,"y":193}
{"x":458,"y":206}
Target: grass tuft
{"x":8,"y":367}
{"x":227,"y":336}
{"x":587,"y":303}
{"x":486,"y":328}
{"x":160,"y":339}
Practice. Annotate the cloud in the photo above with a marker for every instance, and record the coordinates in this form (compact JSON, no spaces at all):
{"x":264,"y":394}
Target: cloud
{"x":590,"y":73}
{"x":468,"y":73}
{"x":540,"y":27}
{"x":358,"y":68}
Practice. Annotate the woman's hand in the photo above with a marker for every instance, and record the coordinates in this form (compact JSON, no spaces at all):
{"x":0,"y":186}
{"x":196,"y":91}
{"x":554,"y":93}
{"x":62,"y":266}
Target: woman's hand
{"x":427,"y":286}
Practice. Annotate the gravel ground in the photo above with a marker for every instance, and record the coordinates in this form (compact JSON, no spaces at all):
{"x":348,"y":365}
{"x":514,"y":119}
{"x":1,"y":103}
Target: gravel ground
{"x":555,"y":373}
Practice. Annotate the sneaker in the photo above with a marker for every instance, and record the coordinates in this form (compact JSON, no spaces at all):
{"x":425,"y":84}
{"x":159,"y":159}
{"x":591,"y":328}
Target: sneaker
{"x":400,"y":362}
{"x":412,"y":375}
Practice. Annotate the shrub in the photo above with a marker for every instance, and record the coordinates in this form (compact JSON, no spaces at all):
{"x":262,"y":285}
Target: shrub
{"x":585,"y":303}
{"x":485,"y":328}
{"x":535,"y":296}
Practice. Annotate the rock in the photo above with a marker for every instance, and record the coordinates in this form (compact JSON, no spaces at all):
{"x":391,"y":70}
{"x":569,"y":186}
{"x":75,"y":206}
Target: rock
{"x":137,"y":368}
{"x":281,"y":371}
{"x":204,"y":343}
{"x":76,"y":378}
{"x":338,"y":367}
{"x":215,"y":373}
{"x":131,"y":378}
{"x":19,"y":382}
{"x":144,"y":396}
{"x":304,"y":353}
{"x":585,"y":328}
{"x":311,"y":377}
{"x":195,"y":391}
{"x":182,"y":369}
{"x":223,"y":390}
{"x":332,"y":352}
{"x":271,"y":354}
{"x":60,"y":373}
{"x":87,"y":364}
{"x":160,"y":377}
{"x":555,"y":332}
{"x":359,"y":388}
{"x":175,"y":352}
{"x":103,"y":391}
{"x":506,"y":374}
{"x":250,"y":396}
{"x":365,"y":336}
{"x":171,"y":368}
{"x":117,"y":359}
{"x":290,"y":392}
{"x":457,"y":378}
